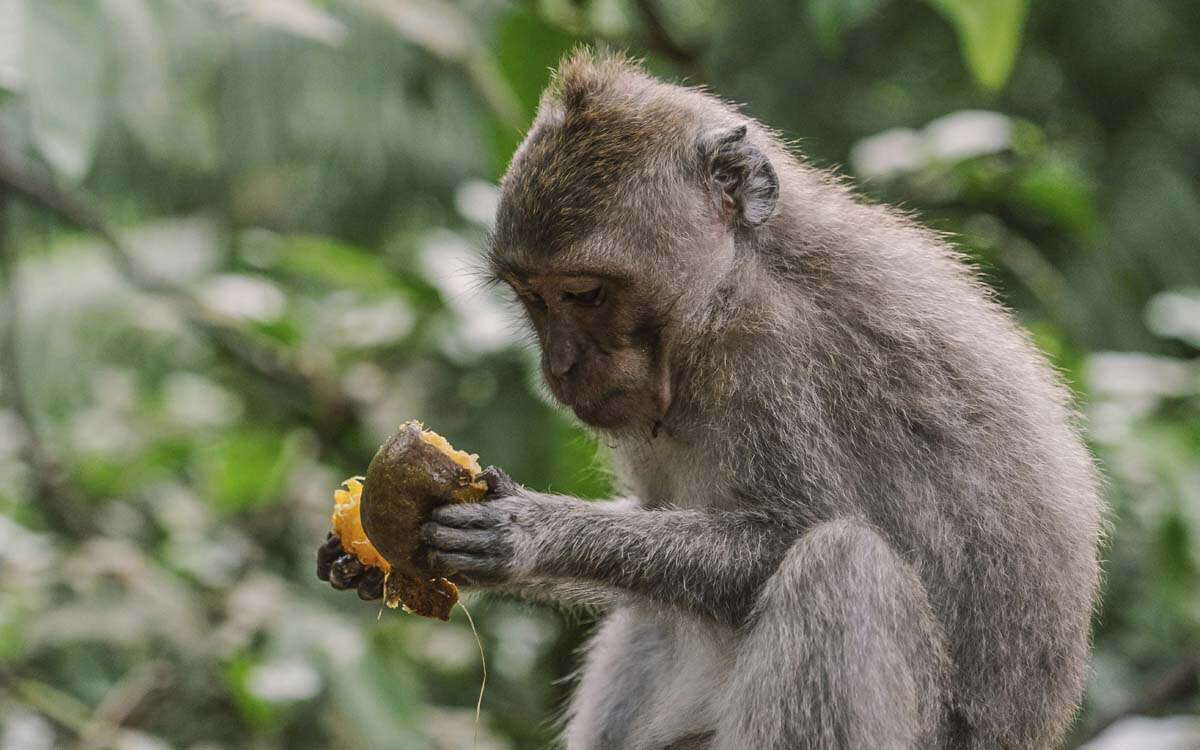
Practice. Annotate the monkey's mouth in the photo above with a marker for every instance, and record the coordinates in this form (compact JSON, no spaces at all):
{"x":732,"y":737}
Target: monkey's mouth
{"x":613,"y":408}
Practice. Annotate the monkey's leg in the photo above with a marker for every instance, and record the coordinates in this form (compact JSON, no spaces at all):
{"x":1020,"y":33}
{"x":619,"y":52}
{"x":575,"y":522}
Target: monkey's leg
{"x":842,"y":651}
{"x":622,"y":659}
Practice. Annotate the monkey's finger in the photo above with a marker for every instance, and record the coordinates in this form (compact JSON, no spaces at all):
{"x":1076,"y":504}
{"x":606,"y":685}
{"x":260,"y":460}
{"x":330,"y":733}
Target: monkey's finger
{"x":326,"y":554}
{"x":467,"y":515}
{"x":370,"y":587}
{"x":499,"y":483}
{"x":462,"y":581}
{"x":345,"y":572}
{"x":450,"y":539}
{"x":475,"y":568}
{"x":421,"y":558}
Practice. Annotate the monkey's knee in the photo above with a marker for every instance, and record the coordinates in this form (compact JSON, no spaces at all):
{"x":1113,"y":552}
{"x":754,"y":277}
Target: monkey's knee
{"x":841,"y":651}
{"x":843,"y":575}
{"x":829,"y":559}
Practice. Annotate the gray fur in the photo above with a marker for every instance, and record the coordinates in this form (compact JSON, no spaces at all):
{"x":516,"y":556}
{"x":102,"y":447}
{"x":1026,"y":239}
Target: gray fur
{"x":866,"y":520}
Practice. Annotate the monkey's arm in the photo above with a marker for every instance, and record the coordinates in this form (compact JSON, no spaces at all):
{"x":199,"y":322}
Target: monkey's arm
{"x":708,"y":562}
{"x":573,"y":591}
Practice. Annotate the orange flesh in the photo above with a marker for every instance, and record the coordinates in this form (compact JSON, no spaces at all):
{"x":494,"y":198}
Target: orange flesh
{"x":469,"y":461}
{"x":347,"y":525}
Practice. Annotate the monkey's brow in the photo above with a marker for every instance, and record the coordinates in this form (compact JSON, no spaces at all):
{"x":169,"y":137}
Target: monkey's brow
{"x":504,"y":269}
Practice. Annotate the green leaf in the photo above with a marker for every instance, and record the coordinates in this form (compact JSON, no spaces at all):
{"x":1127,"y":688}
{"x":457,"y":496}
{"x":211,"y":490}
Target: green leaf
{"x":12,"y":15}
{"x":333,"y":264}
{"x":253,"y":710}
{"x":1057,"y":194}
{"x":65,"y":56}
{"x":1173,"y":550}
{"x":381,"y":704}
{"x":832,"y":18}
{"x":989,"y":32}
{"x":246,"y":467}
{"x":13,"y":641}
{"x":527,"y":48}
{"x":142,"y":86}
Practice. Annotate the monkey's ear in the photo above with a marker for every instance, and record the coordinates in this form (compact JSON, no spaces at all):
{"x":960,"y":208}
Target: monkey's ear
{"x":740,"y":176}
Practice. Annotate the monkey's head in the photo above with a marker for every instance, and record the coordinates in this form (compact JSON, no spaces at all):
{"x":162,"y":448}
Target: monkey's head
{"x":621,"y":216}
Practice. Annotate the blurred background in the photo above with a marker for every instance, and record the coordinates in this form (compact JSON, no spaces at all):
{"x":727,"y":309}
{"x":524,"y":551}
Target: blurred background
{"x":236,"y":242}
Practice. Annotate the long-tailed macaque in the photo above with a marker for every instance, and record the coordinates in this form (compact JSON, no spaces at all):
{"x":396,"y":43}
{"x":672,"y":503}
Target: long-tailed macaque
{"x":856,"y":510}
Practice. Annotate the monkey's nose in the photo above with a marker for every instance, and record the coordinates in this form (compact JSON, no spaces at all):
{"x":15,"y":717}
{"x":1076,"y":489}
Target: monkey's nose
{"x":562,"y":364}
{"x":562,"y":352}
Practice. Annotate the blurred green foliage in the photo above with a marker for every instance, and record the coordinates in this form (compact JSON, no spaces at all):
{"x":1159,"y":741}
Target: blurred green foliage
{"x":313,"y":180}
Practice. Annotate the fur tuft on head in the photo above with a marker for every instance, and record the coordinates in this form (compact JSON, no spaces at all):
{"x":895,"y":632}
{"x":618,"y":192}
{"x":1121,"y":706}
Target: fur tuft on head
{"x":587,"y":75}
{"x":605,"y":134}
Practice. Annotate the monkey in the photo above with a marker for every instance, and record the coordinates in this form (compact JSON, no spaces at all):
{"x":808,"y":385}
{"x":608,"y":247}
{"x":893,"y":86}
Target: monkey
{"x":855,"y":508}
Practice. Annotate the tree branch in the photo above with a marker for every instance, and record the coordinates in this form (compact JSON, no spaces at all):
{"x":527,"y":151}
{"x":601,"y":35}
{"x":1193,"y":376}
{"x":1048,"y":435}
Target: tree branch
{"x":322,"y":399}
{"x":655,"y":39}
{"x":59,"y":505}
{"x":1180,"y":681}
{"x":62,"y":708}
{"x":662,"y":43}
{"x":121,"y":700}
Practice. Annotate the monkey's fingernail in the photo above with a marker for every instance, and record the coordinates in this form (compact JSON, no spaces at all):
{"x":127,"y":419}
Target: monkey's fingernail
{"x":371,"y":585}
{"x":326,"y":554}
{"x":496,"y":480}
{"x":344,"y":572}
{"x":329,"y":551}
{"x":426,"y":557}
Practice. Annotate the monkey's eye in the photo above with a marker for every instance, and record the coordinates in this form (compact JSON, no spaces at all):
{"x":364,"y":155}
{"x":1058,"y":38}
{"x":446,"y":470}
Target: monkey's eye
{"x":587,"y":298}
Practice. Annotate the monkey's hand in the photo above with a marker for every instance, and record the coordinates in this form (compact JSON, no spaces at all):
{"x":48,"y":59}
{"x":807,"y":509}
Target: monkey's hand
{"x":483,"y":544}
{"x":344,"y":571}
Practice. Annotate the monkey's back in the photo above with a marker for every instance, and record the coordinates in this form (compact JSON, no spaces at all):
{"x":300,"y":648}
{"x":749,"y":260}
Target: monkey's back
{"x":915,"y":403}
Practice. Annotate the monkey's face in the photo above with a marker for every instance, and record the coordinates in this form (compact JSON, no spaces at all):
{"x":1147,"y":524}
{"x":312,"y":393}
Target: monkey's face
{"x":601,"y":351}
{"x":616,"y":227}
